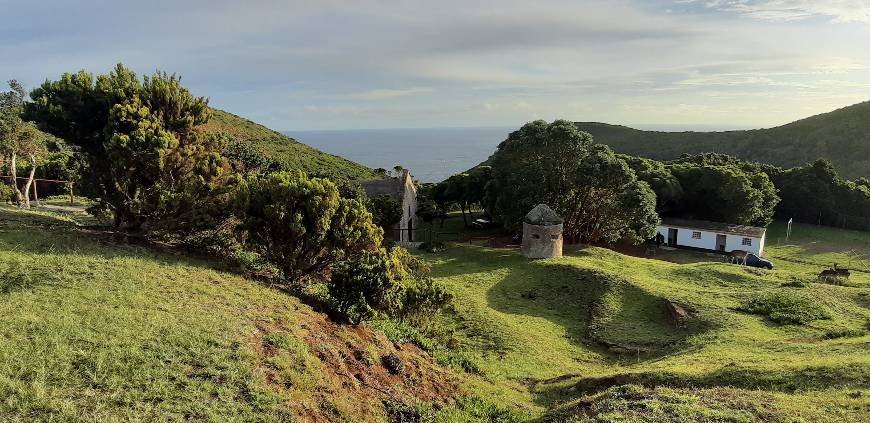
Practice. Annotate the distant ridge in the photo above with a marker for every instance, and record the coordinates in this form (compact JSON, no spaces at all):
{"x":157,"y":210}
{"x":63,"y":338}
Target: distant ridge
{"x":285,"y":150}
{"x":842,"y":136}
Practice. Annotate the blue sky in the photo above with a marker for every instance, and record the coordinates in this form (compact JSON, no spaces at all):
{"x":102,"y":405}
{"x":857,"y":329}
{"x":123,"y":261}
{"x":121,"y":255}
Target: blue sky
{"x":333,"y":64}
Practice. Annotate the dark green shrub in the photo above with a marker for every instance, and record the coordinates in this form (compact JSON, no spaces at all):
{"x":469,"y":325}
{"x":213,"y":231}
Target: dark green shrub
{"x":386,"y":210}
{"x":6,"y":193}
{"x":147,"y":162}
{"x":844,"y":333}
{"x":785,"y":307}
{"x":301,"y":225}
{"x":794,"y":284}
{"x":364,"y":287}
{"x":392,"y":283}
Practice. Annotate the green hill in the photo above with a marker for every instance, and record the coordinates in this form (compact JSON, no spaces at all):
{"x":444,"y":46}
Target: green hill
{"x":100,"y":330}
{"x":285,"y":150}
{"x":96,"y":328}
{"x":842,"y":136}
{"x":587,"y":337}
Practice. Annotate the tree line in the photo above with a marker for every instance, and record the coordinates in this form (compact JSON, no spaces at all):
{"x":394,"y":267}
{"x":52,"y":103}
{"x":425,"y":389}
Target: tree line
{"x":605,"y":197}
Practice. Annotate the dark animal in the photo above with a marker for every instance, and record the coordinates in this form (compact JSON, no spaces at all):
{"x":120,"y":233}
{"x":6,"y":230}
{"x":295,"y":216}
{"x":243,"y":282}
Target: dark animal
{"x":834,"y":273}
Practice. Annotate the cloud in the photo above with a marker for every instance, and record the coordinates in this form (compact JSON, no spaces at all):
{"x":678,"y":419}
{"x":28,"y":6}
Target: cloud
{"x":793,"y":10}
{"x":381,"y":94}
{"x":294,"y":64}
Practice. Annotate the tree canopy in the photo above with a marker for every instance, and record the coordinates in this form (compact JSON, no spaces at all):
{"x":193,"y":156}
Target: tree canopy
{"x":596,"y":192}
{"x":139,"y":138}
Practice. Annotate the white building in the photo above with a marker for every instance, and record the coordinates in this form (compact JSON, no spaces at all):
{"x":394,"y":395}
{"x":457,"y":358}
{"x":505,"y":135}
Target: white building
{"x":712,"y":236}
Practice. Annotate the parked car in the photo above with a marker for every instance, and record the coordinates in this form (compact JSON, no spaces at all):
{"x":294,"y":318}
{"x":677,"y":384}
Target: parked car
{"x":748,"y":259}
{"x":755,"y":261}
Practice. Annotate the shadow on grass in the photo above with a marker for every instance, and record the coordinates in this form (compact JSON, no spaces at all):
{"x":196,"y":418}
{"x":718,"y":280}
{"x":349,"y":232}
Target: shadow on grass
{"x":33,"y":233}
{"x":598,"y":310}
{"x":733,"y":376}
{"x":15,"y":276}
{"x":460,"y":260}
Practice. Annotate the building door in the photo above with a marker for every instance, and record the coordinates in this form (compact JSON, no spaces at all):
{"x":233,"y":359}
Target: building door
{"x":720,"y":242}
{"x":672,"y":237}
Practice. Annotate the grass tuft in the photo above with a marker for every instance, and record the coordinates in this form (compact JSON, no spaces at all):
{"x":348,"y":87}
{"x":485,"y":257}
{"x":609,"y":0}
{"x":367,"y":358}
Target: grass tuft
{"x":785,"y":307}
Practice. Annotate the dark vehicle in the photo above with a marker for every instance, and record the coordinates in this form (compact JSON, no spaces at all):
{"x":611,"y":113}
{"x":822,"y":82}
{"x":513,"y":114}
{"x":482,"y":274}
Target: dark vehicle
{"x":755,"y":261}
{"x":748,"y":259}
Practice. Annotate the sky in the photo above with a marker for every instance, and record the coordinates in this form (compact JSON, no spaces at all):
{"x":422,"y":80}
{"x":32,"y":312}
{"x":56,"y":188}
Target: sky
{"x":334,"y":64}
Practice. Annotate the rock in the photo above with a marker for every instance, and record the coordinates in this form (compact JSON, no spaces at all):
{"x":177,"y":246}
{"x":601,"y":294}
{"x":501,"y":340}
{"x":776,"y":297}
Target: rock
{"x":677,"y":315}
{"x":393,"y":363}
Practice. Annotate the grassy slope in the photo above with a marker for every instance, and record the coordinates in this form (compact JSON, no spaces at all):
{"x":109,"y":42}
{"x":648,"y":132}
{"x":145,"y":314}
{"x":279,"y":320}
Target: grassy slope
{"x":843,"y":136}
{"x":95,"y":329}
{"x":538,"y":329}
{"x":284,"y":149}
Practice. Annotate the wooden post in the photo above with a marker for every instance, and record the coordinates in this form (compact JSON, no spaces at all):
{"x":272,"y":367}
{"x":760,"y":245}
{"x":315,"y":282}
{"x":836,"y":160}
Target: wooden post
{"x":71,"y":195}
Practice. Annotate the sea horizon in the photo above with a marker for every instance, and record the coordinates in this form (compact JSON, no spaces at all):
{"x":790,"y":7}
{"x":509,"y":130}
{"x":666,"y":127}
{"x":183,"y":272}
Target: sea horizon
{"x":432,"y":154}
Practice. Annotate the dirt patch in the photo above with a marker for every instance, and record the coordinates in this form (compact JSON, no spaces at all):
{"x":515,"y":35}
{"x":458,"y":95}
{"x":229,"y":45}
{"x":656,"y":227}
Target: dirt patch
{"x":351,"y":379}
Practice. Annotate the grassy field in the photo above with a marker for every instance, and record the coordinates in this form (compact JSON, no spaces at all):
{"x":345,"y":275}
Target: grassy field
{"x":101,"y":327}
{"x":586,"y":337}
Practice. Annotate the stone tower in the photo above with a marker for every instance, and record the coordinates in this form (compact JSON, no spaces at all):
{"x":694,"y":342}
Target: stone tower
{"x":542,"y":233}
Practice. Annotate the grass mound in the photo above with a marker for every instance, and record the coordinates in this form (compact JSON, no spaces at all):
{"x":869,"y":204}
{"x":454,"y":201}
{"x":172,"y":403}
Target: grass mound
{"x":637,"y":403}
{"x":96,"y":329}
{"x":536,"y":329}
{"x":785,"y":307}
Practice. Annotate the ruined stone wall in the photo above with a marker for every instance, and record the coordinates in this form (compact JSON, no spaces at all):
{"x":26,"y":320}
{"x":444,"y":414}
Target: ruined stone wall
{"x":542,"y":241}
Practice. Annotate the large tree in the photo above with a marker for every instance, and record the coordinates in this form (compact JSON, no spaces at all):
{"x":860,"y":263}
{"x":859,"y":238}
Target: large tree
{"x":147,"y":162}
{"x":726,"y":194}
{"x":668,"y":190}
{"x":597,"y":193}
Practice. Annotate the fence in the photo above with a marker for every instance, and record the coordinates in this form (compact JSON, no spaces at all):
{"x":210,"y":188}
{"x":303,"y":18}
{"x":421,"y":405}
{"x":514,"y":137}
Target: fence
{"x":422,"y":235}
{"x":35,"y":187}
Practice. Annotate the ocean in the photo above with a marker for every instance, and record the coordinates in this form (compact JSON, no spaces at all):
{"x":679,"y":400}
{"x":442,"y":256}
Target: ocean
{"x":431,"y":154}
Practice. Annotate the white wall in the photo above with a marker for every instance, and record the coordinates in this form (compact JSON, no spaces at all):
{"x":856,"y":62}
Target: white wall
{"x":708,"y":240}
{"x":409,"y":208}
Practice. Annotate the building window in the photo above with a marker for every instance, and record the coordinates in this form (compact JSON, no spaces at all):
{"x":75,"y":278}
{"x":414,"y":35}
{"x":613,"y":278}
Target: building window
{"x":696,"y":235}
{"x":747,"y":241}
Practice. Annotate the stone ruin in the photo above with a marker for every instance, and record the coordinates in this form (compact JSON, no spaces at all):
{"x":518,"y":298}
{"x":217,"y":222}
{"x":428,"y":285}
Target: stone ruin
{"x":542,"y":233}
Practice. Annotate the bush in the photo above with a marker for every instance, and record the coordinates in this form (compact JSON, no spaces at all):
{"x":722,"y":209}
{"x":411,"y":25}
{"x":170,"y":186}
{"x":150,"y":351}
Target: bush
{"x":362,"y":287}
{"x":844,"y":333}
{"x":301,"y":225}
{"x":386,"y":211}
{"x":6,"y":193}
{"x":391,"y":283}
{"x":785,"y":308}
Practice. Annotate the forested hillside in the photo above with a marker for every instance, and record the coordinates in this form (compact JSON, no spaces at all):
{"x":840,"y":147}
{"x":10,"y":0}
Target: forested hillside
{"x":842,"y":136}
{"x":284,"y":150}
